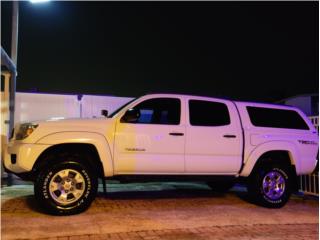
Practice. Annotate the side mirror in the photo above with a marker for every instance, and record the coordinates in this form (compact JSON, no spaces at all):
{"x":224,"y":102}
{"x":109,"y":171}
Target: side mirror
{"x":104,"y":112}
{"x":131,"y":116}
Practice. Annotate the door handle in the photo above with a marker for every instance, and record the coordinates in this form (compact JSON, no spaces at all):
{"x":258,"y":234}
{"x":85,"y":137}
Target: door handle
{"x":176,"y":134}
{"x":229,"y":136}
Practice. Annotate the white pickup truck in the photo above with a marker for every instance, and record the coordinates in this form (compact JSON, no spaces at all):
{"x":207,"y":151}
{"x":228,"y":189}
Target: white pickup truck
{"x":166,"y":137}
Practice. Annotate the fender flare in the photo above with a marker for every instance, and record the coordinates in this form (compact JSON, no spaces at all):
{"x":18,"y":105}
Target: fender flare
{"x":96,"y":139}
{"x":257,"y":152}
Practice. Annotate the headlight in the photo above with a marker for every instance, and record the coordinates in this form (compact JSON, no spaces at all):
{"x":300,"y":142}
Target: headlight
{"x":25,"y":130}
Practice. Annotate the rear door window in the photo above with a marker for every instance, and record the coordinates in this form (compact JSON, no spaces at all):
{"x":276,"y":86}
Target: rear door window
{"x":208,"y":113}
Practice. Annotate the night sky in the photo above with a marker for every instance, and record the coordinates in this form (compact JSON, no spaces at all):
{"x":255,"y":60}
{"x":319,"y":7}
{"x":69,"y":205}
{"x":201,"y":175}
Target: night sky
{"x":263,"y":51}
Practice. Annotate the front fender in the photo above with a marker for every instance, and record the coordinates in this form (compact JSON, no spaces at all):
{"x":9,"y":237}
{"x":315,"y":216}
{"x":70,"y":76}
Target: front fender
{"x":257,"y":152}
{"x":96,"y":139}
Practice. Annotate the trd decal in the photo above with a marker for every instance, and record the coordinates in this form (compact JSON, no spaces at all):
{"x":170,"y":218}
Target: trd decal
{"x":307,"y":142}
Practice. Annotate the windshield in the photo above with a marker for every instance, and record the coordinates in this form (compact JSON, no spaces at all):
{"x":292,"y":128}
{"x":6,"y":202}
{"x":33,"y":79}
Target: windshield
{"x":120,"y":108}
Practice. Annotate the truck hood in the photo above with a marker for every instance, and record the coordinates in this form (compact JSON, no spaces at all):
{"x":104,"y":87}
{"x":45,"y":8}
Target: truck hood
{"x":97,"y":125}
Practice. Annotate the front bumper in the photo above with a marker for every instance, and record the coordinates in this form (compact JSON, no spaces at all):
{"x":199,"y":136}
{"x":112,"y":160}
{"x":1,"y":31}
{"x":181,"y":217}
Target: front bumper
{"x":20,"y":157}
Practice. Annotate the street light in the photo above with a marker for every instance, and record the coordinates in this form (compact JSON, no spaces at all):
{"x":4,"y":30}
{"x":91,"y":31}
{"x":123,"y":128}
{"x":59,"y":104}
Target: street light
{"x":39,"y":1}
{"x":14,"y":55}
{"x":15,"y":27}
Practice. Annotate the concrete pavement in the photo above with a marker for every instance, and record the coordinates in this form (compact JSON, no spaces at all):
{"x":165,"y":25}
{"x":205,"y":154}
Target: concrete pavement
{"x":160,"y":211}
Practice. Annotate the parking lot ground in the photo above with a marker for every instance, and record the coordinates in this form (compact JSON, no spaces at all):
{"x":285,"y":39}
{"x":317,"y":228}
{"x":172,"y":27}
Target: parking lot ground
{"x":160,"y":211}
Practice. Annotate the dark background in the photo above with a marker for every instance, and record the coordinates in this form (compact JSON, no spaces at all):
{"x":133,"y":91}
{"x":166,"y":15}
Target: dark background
{"x":263,"y":51}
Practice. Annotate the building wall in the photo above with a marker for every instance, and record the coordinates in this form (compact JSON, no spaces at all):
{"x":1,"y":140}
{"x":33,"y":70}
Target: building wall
{"x":36,"y":106}
{"x":92,"y":105}
{"x":301,"y":102}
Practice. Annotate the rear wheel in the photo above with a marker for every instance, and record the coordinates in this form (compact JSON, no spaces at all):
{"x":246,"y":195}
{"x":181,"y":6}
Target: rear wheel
{"x":66,"y":188}
{"x":270,"y":185}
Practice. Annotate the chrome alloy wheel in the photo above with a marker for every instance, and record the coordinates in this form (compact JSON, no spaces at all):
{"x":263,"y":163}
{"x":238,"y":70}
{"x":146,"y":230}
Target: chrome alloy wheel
{"x":67,"y":186}
{"x":274,"y":185}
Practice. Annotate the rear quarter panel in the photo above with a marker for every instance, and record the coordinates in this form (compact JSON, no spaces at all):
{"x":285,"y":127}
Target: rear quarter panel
{"x":302,"y":145}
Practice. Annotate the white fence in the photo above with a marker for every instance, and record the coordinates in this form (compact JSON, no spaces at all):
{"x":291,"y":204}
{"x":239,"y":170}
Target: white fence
{"x":309,"y":184}
{"x":315,"y":121}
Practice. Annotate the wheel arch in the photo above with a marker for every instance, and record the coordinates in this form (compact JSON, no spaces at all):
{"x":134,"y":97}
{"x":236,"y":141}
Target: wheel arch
{"x":47,"y":156}
{"x":282,"y":152}
{"x":93,"y":142}
{"x":280,"y":157}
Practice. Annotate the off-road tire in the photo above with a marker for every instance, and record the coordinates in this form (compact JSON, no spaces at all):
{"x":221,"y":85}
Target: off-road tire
{"x":260,"y":189}
{"x":46,"y":197}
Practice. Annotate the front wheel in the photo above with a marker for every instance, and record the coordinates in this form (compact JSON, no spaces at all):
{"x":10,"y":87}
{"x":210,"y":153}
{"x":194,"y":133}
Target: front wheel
{"x":66,"y":188}
{"x":270,"y":186}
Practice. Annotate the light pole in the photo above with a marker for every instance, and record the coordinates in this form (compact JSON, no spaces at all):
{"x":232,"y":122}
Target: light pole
{"x":15,"y":27}
{"x":14,"y":55}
